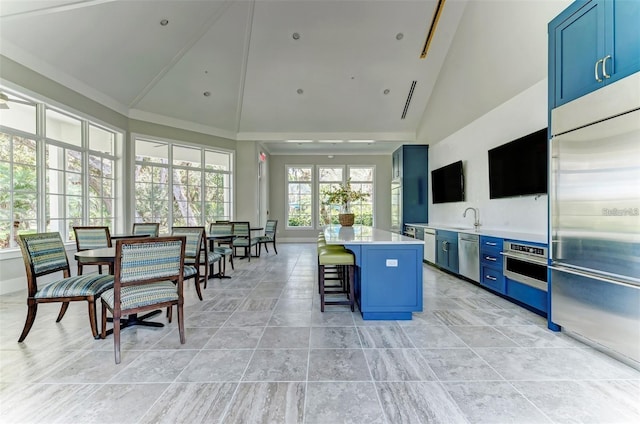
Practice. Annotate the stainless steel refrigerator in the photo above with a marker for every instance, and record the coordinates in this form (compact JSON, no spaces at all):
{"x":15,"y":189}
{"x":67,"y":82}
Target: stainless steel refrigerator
{"x":595,"y":218}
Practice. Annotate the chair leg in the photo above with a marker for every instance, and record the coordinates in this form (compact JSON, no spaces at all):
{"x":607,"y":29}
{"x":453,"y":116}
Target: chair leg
{"x":116,"y":337}
{"x":63,"y":310}
{"x":274,"y":247}
{"x":31,"y":317}
{"x":79,"y":269}
{"x":169,"y":313}
{"x":199,"y":293}
{"x":92,"y":317}
{"x":231,"y":262}
{"x":321,"y":286}
{"x":103,"y":332}
{"x":183,"y":338}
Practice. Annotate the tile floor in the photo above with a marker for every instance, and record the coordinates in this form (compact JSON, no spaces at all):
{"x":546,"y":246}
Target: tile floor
{"x":259,"y":351}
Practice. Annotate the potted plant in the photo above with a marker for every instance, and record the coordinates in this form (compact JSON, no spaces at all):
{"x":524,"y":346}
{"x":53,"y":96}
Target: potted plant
{"x":343,"y":195}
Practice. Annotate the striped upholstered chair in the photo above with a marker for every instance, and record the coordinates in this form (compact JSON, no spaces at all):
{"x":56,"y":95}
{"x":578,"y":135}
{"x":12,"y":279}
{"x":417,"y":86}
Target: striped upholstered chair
{"x":92,"y":238}
{"x":149,"y":229}
{"x":222,"y":245}
{"x":145,"y":271}
{"x":242,"y":238}
{"x":45,"y":254}
{"x":269,"y":236}
{"x":192,"y":256}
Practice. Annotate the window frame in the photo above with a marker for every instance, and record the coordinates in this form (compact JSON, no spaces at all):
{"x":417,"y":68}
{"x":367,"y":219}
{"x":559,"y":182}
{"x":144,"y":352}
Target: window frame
{"x":203,"y":168}
{"x":312,"y":195}
{"x":42,"y":144}
{"x":316,"y":218}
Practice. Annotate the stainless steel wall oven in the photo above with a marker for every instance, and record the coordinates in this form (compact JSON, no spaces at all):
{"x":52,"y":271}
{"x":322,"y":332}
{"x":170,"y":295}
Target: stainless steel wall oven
{"x":526,"y":264}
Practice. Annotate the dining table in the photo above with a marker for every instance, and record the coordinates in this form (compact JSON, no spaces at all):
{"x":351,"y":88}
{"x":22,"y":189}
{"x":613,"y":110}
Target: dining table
{"x":108,"y":254}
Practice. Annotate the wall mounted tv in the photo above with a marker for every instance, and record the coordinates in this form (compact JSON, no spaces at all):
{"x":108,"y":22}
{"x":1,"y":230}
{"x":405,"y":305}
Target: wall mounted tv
{"x":520,"y":167}
{"x":447,"y":183}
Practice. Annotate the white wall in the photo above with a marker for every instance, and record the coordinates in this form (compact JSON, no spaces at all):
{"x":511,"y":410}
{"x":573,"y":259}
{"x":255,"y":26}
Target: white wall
{"x":519,"y":116}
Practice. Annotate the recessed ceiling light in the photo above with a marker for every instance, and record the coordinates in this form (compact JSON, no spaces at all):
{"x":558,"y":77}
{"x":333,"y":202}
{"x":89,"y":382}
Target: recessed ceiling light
{"x":299,"y":91}
{"x":164,"y":22}
{"x":330,"y":141}
{"x":361,"y":141}
{"x":399,"y":36}
{"x":298,"y":141}
{"x":206,"y":93}
{"x":386,"y":91}
{"x":295,"y":36}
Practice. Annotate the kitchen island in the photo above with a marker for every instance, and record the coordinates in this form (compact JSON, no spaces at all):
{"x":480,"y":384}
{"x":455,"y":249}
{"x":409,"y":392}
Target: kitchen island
{"x":388,"y":280}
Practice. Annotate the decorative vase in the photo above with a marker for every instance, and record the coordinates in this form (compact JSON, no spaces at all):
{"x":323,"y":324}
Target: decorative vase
{"x":346,"y":219}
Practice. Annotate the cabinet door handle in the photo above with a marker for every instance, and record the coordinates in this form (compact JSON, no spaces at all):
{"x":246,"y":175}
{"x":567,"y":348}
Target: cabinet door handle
{"x":595,"y":70}
{"x":488,"y":277}
{"x":445,"y":246}
{"x":604,"y":66}
{"x":490,"y":243}
{"x":490,"y":258}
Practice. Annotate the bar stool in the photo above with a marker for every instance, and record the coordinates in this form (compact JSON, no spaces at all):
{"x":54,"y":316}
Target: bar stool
{"x":332,"y":272}
{"x":345,"y":261}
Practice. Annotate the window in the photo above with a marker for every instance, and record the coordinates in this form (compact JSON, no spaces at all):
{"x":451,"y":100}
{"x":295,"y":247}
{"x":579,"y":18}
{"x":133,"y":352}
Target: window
{"x":361,"y":178}
{"x":56,"y":171}
{"x":179,"y":185}
{"x":217,"y":186}
{"x":304,"y":208}
{"x":329,"y":178}
{"x":18,"y":188}
{"x":102,"y":181}
{"x":300,"y":197}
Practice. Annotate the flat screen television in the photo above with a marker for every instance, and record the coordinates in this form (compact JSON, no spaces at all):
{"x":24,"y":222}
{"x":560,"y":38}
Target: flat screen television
{"x":447,"y":183}
{"x":519,"y":167}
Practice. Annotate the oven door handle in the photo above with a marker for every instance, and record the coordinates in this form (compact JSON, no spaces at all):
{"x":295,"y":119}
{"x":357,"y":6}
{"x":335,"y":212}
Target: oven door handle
{"x":524,"y":258}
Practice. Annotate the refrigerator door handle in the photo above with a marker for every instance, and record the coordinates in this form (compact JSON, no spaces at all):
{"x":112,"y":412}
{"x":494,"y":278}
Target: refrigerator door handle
{"x":594,"y":276}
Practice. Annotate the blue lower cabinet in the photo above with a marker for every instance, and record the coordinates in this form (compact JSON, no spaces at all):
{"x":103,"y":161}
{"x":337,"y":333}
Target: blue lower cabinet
{"x":528,"y":295}
{"x":389,"y":280}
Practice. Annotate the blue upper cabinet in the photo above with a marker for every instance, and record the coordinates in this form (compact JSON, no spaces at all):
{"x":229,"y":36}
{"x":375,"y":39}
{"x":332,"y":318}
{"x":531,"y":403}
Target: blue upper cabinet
{"x":592,"y":43}
{"x":409,"y":166}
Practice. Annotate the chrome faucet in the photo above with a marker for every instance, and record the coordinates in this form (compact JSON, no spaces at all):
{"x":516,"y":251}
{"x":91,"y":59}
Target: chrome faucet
{"x":476,"y":216}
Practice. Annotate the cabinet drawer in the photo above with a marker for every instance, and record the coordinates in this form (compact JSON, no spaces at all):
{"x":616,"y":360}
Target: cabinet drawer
{"x":490,"y":243}
{"x":492,"y":278}
{"x":491,"y":258}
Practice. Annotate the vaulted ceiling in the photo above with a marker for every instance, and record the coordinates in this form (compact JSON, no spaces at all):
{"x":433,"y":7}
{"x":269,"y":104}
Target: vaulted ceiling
{"x":272,"y":70}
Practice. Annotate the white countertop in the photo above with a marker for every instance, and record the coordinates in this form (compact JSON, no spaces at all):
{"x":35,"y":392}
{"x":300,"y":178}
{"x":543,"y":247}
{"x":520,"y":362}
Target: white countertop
{"x":359,"y":234}
{"x":492,"y":232}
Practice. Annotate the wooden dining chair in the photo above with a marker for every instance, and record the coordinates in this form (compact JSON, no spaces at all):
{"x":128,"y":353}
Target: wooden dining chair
{"x":242,"y":238}
{"x":88,"y":238}
{"x":222,"y":246}
{"x":150,"y":229}
{"x":44,"y":254}
{"x":268,"y":237}
{"x":192,"y":254}
{"x":145,"y":271}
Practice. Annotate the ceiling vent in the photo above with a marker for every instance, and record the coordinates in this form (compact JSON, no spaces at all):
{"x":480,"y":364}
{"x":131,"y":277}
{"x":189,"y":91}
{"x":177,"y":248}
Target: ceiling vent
{"x":432,"y":28}
{"x":408,"y":102}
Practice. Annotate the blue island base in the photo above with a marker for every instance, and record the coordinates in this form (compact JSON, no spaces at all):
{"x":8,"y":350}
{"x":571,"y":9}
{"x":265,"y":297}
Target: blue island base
{"x":386,"y":315}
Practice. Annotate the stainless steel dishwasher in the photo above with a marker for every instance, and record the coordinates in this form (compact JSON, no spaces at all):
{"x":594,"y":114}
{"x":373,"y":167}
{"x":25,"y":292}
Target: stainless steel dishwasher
{"x":469,"y":256}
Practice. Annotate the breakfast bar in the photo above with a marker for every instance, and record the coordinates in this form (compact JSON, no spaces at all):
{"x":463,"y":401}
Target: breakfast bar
{"x":388,"y":280}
